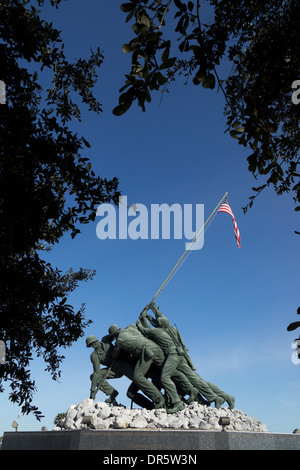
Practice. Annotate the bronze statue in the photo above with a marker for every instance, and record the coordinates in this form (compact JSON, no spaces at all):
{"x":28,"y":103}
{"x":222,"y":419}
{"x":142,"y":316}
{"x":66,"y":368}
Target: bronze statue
{"x":142,"y":352}
{"x":114,"y":369}
{"x":170,"y":375}
{"x":131,"y":342}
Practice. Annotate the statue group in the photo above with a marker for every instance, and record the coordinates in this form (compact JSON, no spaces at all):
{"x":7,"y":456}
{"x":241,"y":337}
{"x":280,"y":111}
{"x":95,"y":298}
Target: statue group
{"x":152,"y":355}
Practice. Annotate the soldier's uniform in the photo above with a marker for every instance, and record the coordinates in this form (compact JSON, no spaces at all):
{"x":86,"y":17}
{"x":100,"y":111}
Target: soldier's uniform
{"x":210,"y":391}
{"x":132,"y":343}
{"x":170,"y":375}
{"x":115,"y":369}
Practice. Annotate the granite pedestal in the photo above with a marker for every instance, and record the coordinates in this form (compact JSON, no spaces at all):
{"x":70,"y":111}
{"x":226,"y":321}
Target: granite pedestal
{"x":156,"y":440}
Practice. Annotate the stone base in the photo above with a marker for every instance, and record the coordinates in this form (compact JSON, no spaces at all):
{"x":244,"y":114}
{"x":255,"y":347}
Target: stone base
{"x":151,"y":440}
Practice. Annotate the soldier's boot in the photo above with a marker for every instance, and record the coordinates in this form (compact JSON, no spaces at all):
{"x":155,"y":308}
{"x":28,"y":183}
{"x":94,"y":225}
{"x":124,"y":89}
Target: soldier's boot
{"x":111,"y":399}
{"x":159,"y":402}
{"x":199,"y":399}
{"x":193,"y":395}
{"x":141,"y":401}
{"x":218,"y":402}
{"x":230,"y":400}
{"x":176,"y":407}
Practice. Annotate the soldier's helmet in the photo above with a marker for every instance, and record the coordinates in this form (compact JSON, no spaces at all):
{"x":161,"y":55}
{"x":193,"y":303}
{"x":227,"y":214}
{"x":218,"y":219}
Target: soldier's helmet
{"x":113,"y":329}
{"x":90,"y":340}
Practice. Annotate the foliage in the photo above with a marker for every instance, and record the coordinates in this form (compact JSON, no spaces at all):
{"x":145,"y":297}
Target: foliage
{"x":259,"y":41}
{"x":47,"y":188}
{"x":59,"y":417}
{"x":293,"y":326}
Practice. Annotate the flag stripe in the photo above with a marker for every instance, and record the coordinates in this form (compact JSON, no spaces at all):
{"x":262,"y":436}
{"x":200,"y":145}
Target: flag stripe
{"x":226,"y":208}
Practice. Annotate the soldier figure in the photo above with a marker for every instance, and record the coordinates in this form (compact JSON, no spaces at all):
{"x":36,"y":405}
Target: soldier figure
{"x":131,"y":342}
{"x":210,"y":391}
{"x":115,"y":369}
{"x":141,"y":352}
{"x":169,"y":373}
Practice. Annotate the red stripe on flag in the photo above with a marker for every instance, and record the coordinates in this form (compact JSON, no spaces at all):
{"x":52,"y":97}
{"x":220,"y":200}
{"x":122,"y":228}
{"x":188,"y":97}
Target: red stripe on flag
{"x":226,"y":208}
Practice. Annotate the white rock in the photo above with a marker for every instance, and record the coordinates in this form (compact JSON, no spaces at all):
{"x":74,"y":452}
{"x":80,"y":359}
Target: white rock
{"x":104,"y":412}
{"x":239,"y":427}
{"x":214,"y":423}
{"x":138,"y":422}
{"x":69,"y":423}
{"x":115,"y":411}
{"x":77,"y":423}
{"x":203,"y":425}
{"x":194,"y":422}
{"x":263,"y":428}
{"x":86,"y":407}
{"x":72,"y":413}
{"x":194,"y":416}
{"x":122,"y":422}
{"x":99,"y":423}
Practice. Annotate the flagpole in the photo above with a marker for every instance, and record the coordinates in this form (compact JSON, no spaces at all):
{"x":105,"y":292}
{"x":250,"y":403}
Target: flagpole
{"x":187,"y":249}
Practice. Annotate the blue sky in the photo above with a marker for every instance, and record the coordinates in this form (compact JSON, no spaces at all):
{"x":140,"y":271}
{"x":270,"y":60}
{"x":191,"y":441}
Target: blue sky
{"x":232,"y":306}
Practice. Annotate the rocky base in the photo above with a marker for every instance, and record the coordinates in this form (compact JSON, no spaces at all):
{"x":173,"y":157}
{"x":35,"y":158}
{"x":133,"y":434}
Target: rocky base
{"x":90,"y":414}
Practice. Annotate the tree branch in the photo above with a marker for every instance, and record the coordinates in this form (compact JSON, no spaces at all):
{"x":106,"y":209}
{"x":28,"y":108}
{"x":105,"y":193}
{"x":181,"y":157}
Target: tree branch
{"x":164,"y":14}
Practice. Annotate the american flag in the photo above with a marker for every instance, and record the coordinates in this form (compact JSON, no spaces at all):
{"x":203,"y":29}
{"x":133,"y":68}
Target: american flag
{"x":226,"y":208}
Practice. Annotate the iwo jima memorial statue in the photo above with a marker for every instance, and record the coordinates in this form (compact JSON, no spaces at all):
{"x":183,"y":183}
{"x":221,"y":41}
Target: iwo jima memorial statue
{"x":163,"y":383}
{"x":155,"y":360}
{"x":167,"y":389}
{"x":152,"y":355}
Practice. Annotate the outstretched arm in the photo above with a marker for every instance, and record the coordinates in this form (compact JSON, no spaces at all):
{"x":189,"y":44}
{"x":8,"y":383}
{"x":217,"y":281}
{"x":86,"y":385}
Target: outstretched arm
{"x":155,"y":309}
{"x":142,"y":320}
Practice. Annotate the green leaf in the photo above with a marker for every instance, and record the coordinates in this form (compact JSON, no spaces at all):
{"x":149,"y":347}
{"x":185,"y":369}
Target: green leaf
{"x":129,"y":16}
{"x":161,"y":79}
{"x":199,"y":77}
{"x":259,"y":188}
{"x":254,"y":145}
{"x":145,"y":20}
{"x":165,"y":54}
{"x":234,"y":134}
{"x":168,"y":63}
{"x":197,"y":80}
{"x":178,"y":4}
{"x":273,"y":178}
{"x":126,"y":48}
{"x":209,"y":81}
{"x":121,"y":108}
{"x":147,"y":95}
{"x":127,"y":7}
{"x":86,"y":142}
{"x":293,"y":326}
